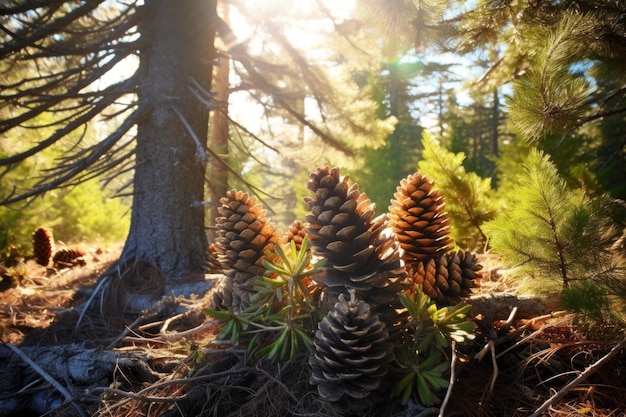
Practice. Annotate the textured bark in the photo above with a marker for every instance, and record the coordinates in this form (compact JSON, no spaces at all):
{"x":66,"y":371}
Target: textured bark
{"x":167,"y":222}
{"x":220,"y":133}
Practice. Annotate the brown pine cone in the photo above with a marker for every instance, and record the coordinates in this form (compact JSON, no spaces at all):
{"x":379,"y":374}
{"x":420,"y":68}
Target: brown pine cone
{"x":448,"y":278}
{"x":417,"y":215}
{"x":352,"y":352}
{"x":296,"y":233}
{"x":43,"y":245}
{"x":68,"y":258}
{"x":361,"y":252}
{"x":244,"y":235}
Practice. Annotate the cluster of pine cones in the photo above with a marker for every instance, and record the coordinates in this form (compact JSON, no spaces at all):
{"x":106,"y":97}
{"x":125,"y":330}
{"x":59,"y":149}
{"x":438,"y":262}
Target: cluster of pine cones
{"x":369,"y":261}
{"x":44,"y":251}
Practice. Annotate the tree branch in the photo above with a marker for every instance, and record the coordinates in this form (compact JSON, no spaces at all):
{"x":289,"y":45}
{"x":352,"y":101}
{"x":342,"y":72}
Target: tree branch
{"x":67,"y":172}
{"x":107,"y":100}
{"x":24,"y":40}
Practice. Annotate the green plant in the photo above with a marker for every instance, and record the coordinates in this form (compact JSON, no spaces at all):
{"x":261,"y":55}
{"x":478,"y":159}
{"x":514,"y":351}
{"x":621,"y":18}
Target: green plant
{"x":430,"y":333}
{"x":278,"y":323}
{"x":560,"y":238}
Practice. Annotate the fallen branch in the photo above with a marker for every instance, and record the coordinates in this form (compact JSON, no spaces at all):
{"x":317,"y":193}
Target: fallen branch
{"x":68,"y":396}
{"x":583,"y":375}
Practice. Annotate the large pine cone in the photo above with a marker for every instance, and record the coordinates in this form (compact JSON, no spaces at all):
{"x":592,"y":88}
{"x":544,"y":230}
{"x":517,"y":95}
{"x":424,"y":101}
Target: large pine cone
{"x":417,"y":215}
{"x":352,"y":353}
{"x":362,"y":252}
{"x":43,"y":245}
{"x":448,"y":278}
{"x":68,"y":258}
{"x":244,"y":235}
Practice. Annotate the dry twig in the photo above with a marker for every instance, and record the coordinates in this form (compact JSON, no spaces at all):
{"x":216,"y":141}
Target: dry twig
{"x":583,"y":375}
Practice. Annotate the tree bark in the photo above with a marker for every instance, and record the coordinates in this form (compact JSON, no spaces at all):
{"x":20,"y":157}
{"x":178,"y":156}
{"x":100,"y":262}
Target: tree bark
{"x":167,"y":219}
{"x":220,"y":131}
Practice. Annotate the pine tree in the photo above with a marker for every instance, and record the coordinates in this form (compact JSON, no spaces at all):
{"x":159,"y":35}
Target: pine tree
{"x":558,"y":237}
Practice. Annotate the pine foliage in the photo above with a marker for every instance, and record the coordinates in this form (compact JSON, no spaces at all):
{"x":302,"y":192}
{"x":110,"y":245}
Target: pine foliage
{"x":467,"y":195}
{"x":553,"y":234}
{"x":551,"y":98}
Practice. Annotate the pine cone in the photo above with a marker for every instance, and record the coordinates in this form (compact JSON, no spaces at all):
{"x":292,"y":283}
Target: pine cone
{"x":43,"y":245}
{"x":68,"y":258}
{"x":296,"y":233}
{"x":462,"y":271}
{"x":351,"y":354}
{"x":418,"y":218}
{"x":361,"y":252}
{"x":244,"y":234}
{"x":426,"y":273}
{"x":448,"y":278}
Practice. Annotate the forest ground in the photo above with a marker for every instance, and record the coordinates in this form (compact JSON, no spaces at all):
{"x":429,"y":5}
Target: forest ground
{"x":166,"y":361}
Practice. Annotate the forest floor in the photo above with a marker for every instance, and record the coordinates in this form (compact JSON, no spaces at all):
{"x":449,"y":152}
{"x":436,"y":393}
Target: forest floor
{"x":166,"y":361}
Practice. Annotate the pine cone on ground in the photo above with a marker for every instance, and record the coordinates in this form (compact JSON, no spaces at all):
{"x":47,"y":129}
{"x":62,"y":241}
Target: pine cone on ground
{"x":447,"y":278}
{"x":244,"y":234}
{"x":361,"y":252}
{"x":68,"y":258}
{"x":43,"y":245}
{"x":463,"y":270}
{"x":352,"y":353}
{"x":417,"y":215}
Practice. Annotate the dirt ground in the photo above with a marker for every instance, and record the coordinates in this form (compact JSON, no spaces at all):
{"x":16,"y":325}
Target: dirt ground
{"x":167,"y":361}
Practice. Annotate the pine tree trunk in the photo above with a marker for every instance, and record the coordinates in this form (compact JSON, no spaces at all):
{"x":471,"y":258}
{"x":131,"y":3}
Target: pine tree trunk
{"x":220,"y":132}
{"x":167,"y":221}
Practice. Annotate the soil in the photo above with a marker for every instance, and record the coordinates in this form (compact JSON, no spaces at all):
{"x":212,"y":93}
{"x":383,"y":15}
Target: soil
{"x":168,"y":361}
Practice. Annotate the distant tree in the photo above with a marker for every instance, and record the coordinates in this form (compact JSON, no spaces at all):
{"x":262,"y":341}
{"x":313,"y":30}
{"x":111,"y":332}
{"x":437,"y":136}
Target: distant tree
{"x":309,"y":62}
{"x":386,"y":164}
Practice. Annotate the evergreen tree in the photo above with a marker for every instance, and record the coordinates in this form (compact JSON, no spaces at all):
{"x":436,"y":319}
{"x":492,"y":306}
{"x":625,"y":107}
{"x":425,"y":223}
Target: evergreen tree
{"x":565,"y":61}
{"x":550,"y":232}
{"x":79,"y":51}
{"x":162,"y":52}
{"x":385,"y":165}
